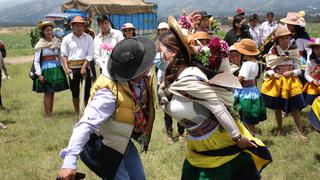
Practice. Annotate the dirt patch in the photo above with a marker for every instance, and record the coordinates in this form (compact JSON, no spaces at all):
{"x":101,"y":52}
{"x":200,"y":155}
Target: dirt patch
{"x":19,"y":60}
{"x":12,"y":30}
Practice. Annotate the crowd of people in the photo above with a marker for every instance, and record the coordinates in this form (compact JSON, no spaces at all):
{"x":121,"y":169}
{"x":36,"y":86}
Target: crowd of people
{"x":208,"y":85}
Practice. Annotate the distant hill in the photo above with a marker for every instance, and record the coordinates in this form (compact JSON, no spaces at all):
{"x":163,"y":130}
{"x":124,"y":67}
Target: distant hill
{"x":29,"y":12}
{"x":228,"y":7}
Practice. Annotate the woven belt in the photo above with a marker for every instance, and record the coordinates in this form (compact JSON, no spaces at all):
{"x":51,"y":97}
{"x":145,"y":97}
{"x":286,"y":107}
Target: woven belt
{"x":204,"y":128}
{"x":76,"y":63}
{"x":280,"y":69}
{"x":248,"y":83}
{"x":50,"y":58}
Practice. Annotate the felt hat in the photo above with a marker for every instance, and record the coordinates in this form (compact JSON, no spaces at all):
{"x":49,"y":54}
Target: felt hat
{"x":247,"y":47}
{"x":130,"y":58}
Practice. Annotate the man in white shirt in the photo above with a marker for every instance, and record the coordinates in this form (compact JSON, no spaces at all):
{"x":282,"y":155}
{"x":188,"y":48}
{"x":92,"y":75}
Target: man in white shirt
{"x":254,"y":29}
{"x":105,"y":41}
{"x":268,"y":26}
{"x":77,"y":51}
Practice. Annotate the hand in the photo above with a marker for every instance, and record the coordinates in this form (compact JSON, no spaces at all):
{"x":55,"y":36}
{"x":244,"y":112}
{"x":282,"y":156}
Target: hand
{"x":194,"y":17}
{"x":6,"y":75}
{"x":67,"y":174}
{"x":69,"y":73}
{"x":41,"y":79}
{"x":83,"y":72}
{"x":316,"y":82}
{"x":277,"y":75}
{"x":244,"y":143}
{"x":285,"y":57}
{"x":288,"y":74}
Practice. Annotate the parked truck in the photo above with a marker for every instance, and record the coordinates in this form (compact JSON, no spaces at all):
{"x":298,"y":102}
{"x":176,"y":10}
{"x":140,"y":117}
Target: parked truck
{"x":62,"y":21}
{"x":143,"y":15}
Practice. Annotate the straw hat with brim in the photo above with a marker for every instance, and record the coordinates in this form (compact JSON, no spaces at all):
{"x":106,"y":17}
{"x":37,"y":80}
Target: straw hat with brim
{"x":293,"y":18}
{"x":282,"y":31}
{"x":78,"y":19}
{"x":247,"y":47}
{"x":314,"y":42}
{"x":201,"y":35}
{"x":180,"y":32}
{"x":127,"y":26}
{"x":130,"y":58}
{"x":45,"y":24}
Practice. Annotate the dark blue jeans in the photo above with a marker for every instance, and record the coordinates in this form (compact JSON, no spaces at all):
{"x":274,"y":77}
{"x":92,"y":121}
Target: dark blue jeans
{"x":131,"y":167}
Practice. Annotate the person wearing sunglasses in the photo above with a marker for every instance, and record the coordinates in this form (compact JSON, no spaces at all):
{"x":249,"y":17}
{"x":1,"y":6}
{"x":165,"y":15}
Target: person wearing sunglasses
{"x":128,"y":30}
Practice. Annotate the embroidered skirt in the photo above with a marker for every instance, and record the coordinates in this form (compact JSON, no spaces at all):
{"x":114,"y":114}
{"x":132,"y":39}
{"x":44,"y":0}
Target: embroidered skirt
{"x":249,"y":103}
{"x":311,"y":92}
{"x":55,"y":78}
{"x":216,"y":148}
{"x":283,"y":93}
{"x":314,"y":114}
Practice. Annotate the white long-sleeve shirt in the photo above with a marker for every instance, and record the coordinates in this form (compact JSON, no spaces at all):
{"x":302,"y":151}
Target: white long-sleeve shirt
{"x":266,"y":28}
{"x":256,"y":34}
{"x":44,"y":52}
{"x":309,"y":66}
{"x":77,"y":48}
{"x":99,"y":109}
{"x":101,"y":56}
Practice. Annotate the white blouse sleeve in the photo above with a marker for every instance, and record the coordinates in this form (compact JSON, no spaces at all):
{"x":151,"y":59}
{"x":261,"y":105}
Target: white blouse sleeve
{"x":307,"y":72}
{"x":297,"y":70}
{"x":244,"y":70}
{"x":37,"y":62}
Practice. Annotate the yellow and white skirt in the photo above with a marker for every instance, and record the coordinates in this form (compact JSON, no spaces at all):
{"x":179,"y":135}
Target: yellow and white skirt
{"x":311,"y":92}
{"x":283,"y":93}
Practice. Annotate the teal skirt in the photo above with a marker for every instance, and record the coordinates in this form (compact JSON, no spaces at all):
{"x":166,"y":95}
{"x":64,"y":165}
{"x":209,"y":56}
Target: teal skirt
{"x":249,"y":103}
{"x":55,"y":78}
{"x":241,"y":167}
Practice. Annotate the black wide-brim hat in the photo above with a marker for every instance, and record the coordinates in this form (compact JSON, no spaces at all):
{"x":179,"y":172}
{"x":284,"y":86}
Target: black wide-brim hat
{"x":205,"y":14}
{"x":130,"y":58}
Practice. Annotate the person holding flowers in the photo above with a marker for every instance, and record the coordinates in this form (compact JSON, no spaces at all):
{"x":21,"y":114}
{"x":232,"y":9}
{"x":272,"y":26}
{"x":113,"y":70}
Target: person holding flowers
{"x":197,"y":92}
{"x":105,"y":41}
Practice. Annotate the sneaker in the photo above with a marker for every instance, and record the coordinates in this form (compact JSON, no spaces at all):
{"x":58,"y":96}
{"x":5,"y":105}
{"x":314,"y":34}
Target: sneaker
{"x":181,"y":138}
{"x":3,"y":126}
{"x":170,"y":140}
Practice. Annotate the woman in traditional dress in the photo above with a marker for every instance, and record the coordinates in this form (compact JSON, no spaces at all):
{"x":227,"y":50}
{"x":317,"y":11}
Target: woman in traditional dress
{"x":161,"y":65}
{"x":248,"y":100}
{"x":312,"y":72}
{"x":300,"y":38}
{"x":282,"y":89}
{"x":218,"y":144}
{"x":47,"y":63}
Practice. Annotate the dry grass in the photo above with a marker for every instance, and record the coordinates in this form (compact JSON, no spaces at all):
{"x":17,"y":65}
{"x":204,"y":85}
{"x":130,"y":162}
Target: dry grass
{"x":30,"y":146}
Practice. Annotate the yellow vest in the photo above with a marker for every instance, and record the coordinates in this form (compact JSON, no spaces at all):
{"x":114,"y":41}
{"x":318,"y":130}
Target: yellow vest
{"x":118,"y":129}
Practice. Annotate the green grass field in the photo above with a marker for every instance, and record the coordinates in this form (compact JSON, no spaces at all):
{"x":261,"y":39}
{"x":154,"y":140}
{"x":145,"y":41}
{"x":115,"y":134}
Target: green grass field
{"x":17,"y":41}
{"x":29,"y":148}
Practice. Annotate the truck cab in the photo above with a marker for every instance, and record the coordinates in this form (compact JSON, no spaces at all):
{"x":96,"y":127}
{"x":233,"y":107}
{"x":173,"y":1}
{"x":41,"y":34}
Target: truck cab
{"x":62,"y":21}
